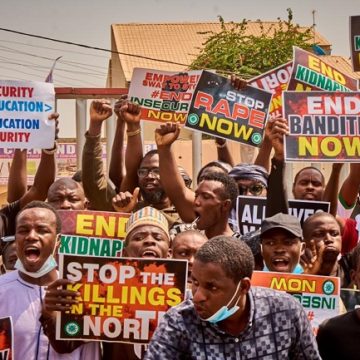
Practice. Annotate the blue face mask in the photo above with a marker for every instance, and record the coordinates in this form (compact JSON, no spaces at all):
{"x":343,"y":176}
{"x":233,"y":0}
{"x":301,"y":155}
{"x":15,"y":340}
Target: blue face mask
{"x":224,"y":312}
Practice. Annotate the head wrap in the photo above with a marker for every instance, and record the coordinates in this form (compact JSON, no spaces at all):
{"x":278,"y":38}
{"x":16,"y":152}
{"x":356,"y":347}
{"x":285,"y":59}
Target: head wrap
{"x":249,"y":172}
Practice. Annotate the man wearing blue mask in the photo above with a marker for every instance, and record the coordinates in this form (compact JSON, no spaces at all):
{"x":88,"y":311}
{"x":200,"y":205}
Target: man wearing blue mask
{"x":22,"y":291}
{"x":227,"y":319}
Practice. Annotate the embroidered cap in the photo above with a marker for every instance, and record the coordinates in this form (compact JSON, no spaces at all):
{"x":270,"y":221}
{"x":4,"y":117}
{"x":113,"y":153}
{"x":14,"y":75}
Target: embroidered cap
{"x":147,"y":216}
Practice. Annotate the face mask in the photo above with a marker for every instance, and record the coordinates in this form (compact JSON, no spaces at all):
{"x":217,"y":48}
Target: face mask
{"x":224,"y":312}
{"x":48,"y":265}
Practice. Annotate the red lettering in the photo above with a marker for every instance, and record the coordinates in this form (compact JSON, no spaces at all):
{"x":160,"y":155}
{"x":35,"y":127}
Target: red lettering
{"x":257,"y":118}
{"x":203,"y":100}
{"x":222,"y":107}
{"x":240,"y":111}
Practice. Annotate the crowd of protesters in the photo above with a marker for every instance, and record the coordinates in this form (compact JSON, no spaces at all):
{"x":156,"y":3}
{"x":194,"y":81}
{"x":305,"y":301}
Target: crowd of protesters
{"x":223,"y":315}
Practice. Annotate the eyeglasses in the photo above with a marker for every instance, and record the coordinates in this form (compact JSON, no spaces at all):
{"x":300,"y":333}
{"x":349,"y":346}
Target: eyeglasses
{"x":255,"y":189}
{"x":142,"y":172}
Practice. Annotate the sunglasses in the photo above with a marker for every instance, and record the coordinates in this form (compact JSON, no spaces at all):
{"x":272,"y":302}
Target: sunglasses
{"x":255,"y":189}
{"x":142,"y":172}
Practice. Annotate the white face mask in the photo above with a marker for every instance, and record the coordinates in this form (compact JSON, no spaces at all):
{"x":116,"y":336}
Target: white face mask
{"x":48,"y":265}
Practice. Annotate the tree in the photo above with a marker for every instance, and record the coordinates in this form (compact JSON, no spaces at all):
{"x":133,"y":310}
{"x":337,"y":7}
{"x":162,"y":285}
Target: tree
{"x":233,"y":51}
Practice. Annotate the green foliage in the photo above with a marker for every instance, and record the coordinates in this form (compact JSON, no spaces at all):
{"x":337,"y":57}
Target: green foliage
{"x":233,"y":51}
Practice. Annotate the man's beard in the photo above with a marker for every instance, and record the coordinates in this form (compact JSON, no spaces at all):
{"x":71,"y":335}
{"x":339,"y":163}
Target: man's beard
{"x":153,"y":197}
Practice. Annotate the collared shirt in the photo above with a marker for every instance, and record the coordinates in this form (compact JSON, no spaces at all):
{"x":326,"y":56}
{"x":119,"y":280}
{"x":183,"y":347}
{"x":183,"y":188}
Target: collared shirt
{"x":277,"y":329}
{"x":22,"y":301}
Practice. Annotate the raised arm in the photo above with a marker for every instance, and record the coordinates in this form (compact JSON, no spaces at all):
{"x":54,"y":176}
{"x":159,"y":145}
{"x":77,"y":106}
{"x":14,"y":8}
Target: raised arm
{"x":17,"y":176}
{"x":116,"y":168}
{"x":351,"y":186}
{"x":263,"y":157}
{"x":131,"y":114}
{"x":223,"y":151}
{"x":174,"y":186}
{"x":277,"y":200}
{"x":332,"y":188}
{"x":94,"y":179}
{"x":45,"y":174}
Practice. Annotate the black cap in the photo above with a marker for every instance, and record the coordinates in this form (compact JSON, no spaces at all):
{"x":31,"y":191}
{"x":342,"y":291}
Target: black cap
{"x":282,"y":221}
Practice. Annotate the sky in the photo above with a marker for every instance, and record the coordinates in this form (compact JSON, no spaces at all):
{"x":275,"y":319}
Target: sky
{"x":88,"y":22}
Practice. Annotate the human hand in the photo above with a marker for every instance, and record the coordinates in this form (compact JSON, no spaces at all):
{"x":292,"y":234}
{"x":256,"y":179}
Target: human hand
{"x":312,"y":258}
{"x":59,"y":299}
{"x":276,"y":129}
{"x":167,"y":134}
{"x":128,"y":112}
{"x":238,"y":83}
{"x":55,"y":117}
{"x":125,"y":201}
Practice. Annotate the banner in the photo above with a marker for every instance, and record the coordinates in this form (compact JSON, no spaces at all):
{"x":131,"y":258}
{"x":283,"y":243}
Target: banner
{"x":164,"y":96}
{"x":6,"y":339}
{"x":323,"y":126}
{"x":251,"y":211}
{"x":24,"y":110}
{"x":311,"y":72}
{"x":350,"y":298}
{"x":92,"y":233}
{"x":218,"y":109}
{"x":355,"y":42}
{"x":122,"y":300}
{"x":274,"y":81}
{"x":319,"y":295}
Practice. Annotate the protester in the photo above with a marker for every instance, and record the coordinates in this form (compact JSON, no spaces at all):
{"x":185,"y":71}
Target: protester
{"x":185,"y":245}
{"x":227,"y":318}
{"x":282,"y":243}
{"x":309,"y":182}
{"x":252,"y":180}
{"x":97,"y":188}
{"x":9,"y":257}
{"x":213,"y":199}
{"x":44,"y":177}
{"x":147,"y":236}
{"x":22,"y":291}
{"x":67,"y":194}
{"x":323,"y":245}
